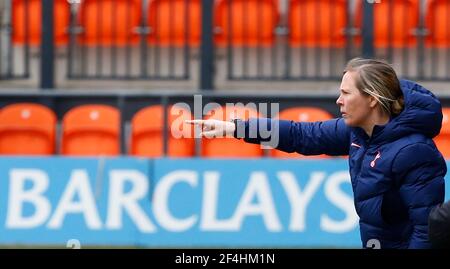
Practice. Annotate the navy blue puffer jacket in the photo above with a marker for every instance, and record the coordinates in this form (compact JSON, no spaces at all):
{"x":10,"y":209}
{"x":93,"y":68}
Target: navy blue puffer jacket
{"x":397,"y":174}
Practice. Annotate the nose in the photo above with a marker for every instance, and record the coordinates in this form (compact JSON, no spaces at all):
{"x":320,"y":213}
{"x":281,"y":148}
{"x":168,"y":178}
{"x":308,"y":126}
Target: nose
{"x":339,"y":101}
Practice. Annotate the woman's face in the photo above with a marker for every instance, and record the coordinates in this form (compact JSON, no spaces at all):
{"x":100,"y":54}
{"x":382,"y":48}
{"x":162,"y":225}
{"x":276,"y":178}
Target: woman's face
{"x":354,"y":106}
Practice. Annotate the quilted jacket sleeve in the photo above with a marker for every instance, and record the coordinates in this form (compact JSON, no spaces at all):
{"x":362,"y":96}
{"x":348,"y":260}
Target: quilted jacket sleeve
{"x":420,"y":169}
{"x":308,"y":138}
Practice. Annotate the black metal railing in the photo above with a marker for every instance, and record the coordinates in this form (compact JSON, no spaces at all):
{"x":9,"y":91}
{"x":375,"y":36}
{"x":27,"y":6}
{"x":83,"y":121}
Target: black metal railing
{"x":272,"y":40}
{"x":312,"y":40}
{"x":309,"y":40}
{"x":129,"y":39}
{"x":414,"y":36}
{"x":15,"y":41}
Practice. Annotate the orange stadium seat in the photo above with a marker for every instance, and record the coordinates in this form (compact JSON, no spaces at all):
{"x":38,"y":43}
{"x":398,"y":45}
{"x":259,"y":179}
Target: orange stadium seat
{"x":109,"y":22}
{"x":27,"y":18}
{"x":405,"y":19}
{"x":301,"y":114}
{"x":443,"y":139}
{"x":147,"y":132}
{"x":230,"y":147}
{"x":253,"y":22}
{"x":175,"y":22}
{"x":438,"y":12}
{"x":317,"y":23}
{"x":91,"y":130}
{"x":27,"y":129}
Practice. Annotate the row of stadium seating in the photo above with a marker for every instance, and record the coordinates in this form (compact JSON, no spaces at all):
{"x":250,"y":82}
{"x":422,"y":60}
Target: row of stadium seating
{"x":92,"y":130}
{"x":310,"y":22}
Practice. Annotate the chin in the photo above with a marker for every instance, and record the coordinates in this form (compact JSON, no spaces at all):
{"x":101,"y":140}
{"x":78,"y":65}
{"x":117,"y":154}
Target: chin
{"x":349,"y":122}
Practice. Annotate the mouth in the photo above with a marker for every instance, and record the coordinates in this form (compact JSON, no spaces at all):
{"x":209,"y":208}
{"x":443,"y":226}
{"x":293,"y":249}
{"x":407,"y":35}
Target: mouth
{"x":343,"y":114}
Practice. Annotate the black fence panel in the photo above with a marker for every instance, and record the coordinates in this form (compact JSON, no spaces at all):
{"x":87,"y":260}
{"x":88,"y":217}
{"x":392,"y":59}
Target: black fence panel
{"x":286,"y":40}
{"x":414,"y":37}
{"x":271,"y":40}
{"x":129,"y":39}
{"x":15,"y":39}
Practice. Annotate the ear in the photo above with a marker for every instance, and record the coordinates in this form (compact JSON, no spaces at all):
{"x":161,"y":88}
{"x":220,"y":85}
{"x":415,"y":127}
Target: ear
{"x":372,"y":102}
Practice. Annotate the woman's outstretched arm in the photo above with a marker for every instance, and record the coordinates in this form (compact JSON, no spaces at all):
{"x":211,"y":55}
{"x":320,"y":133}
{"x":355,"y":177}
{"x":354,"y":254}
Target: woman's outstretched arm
{"x":330,"y":137}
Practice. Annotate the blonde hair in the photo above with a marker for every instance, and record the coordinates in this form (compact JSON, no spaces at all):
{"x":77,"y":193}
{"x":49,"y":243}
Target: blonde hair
{"x":379,"y":80}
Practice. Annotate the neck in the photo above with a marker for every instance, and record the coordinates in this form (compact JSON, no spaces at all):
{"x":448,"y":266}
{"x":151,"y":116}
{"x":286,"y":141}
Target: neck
{"x":375,"y":119}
